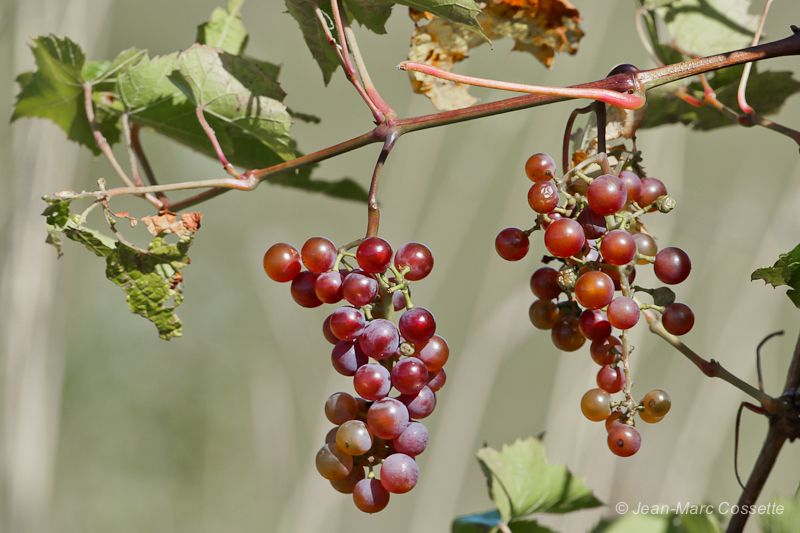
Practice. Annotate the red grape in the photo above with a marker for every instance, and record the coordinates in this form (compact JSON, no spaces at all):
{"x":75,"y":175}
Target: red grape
{"x":540,"y":167}
{"x":409,"y":375}
{"x":434,"y":353}
{"x":623,"y":312}
{"x":303,"y":290}
{"x":512,"y":244}
{"x":544,"y":283}
{"x":347,"y":323}
{"x":543,"y":314}
{"x":359,"y":289}
{"x":318,"y":254}
{"x":645,"y":245}
{"x":543,"y":196}
{"x":387,"y":418}
{"x":372,"y":382}
{"x":415,"y":256}
{"x":347,"y":358}
{"x":398,"y":300}
{"x":594,"y":225}
{"x":374,"y":255}
{"x":332,"y":463}
{"x":417,"y":325}
{"x":633,"y":185}
{"x":326,"y":331}
{"x":566,"y":336}
{"x":618,"y":247}
{"x":594,"y":289}
{"x":353,"y":438}
{"x":624,"y":440}
{"x":672,"y":265}
{"x":437,"y":381}
{"x":328,"y":287}
{"x":610,"y":379}
{"x":340,"y":407}
{"x":678,"y":318}
{"x":606,"y":351}
{"x":652,"y":190}
{"x":399,"y":473}
{"x":564,"y":238}
{"x":421,"y":404}
{"x":606,"y":195}
{"x":347,"y":484}
{"x":370,"y":496}
{"x":380,"y":339}
{"x":281,"y":262}
{"x":594,"y":325}
{"x":613,"y":272}
{"x":413,"y":440}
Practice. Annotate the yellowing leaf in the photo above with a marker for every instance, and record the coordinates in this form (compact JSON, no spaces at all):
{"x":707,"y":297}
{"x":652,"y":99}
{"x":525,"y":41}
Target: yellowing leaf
{"x":539,"y":27}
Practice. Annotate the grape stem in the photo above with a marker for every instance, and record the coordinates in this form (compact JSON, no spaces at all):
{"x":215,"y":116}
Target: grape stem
{"x":395,"y":127}
{"x":741,"y":93}
{"x":626,"y":291}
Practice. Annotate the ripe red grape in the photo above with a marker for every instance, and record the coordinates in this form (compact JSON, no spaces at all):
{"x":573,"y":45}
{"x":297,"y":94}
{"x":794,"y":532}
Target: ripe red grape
{"x":302,"y":290}
{"x":566,"y":336}
{"x":417,"y":325}
{"x":605,"y":351}
{"x":606,"y":195}
{"x":423,"y":403}
{"x":318,"y":254}
{"x":340,"y":407}
{"x":353,"y":438}
{"x":370,"y":496}
{"x":540,"y":167}
{"x":594,"y":225}
{"x":437,"y":381}
{"x":413,"y":440}
{"x":359,"y":289}
{"x":544,"y":283}
{"x":415,"y":256}
{"x":623,"y":312}
{"x":564,"y":238}
{"x":347,"y":323}
{"x":433,"y":353}
{"x":409,"y":375}
{"x":512,"y":244}
{"x":398,"y":300}
{"x":594,"y":325}
{"x":326,"y":331}
{"x":672,"y":265}
{"x":633,"y":185}
{"x":594,"y":289}
{"x":596,"y":405}
{"x":328,"y":287}
{"x":346,"y":485}
{"x":614,"y":420}
{"x":387,"y":418}
{"x":332,"y":463}
{"x":678,"y":318}
{"x":543,"y":314}
{"x":645,"y":245}
{"x":652,"y":190}
{"x":281,"y":262}
{"x":399,"y":473}
{"x":380,"y":339}
{"x":624,"y":440}
{"x":347,"y":358}
{"x":618,"y":247}
{"x":610,"y":379}
{"x":374,"y":255}
{"x":371,"y":381}
{"x":543,"y":196}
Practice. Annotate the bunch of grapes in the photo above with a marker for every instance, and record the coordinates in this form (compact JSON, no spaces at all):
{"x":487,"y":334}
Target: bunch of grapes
{"x":595,"y":240}
{"x":373,"y":429}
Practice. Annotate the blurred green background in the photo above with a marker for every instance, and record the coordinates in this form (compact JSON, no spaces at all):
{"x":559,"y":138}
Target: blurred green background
{"x":108,"y":429}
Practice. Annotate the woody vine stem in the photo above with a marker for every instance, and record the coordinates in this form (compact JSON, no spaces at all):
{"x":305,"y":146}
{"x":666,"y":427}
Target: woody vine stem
{"x":627,"y":90}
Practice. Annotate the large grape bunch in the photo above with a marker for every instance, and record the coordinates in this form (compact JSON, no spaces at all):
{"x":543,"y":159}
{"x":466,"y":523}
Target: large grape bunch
{"x":595,"y":239}
{"x":373,"y":429}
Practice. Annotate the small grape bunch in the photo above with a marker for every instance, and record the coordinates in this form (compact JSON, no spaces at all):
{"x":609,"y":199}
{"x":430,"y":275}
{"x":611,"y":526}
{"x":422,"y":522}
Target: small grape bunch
{"x":595,"y":239}
{"x":375,"y":430}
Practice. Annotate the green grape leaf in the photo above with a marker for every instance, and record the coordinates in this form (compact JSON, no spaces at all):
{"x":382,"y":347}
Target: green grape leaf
{"x":322,"y":52}
{"x":704,"y":27}
{"x":151,"y":279}
{"x":372,"y":14}
{"x":224,"y":30}
{"x":54,"y":91}
{"x":785,"y":271}
{"x":489,"y":521}
{"x":767,"y":92}
{"x":653,"y":4}
{"x":522,"y":482}
{"x":702,"y":522}
{"x":784,"y":521}
{"x":101,"y":71}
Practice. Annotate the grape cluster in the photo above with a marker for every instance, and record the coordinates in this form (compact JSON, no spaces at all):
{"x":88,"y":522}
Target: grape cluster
{"x":373,"y":429}
{"x":595,"y":238}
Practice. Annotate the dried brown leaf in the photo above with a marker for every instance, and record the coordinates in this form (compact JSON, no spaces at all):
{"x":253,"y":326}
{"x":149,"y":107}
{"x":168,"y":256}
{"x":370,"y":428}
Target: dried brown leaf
{"x":183,"y":225}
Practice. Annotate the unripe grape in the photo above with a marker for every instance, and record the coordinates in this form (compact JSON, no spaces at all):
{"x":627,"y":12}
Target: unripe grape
{"x":650,"y":418}
{"x":657,"y":403}
{"x":340,"y":407}
{"x":596,"y":405}
{"x":623,"y":312}
{"x":624,"y":440}
{"x":564,"y":238}
{"x":281,"y":262}
{"x":594,"y":289}
{"x":370,"y":496}
{"x":606,"y":195}
{"x":353,"y":438}
{"x":415,"y":256}
{"x":346,"y":485}
{"x":374,"y":255}
{"x":645,"y":245}
{"x":543,"y":196}
{"x":332,"y":463}
{"x":677,"y":318}
{"x":543,"y":314}
{"x":544,"y":283}
{"x":540,"y":167}
{"x":318,"y":254}
{"x":399,"y":473}
{"x":512,"y":244}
